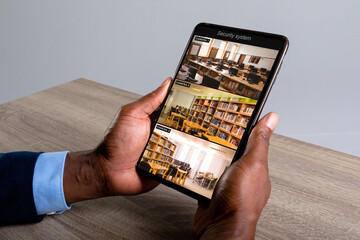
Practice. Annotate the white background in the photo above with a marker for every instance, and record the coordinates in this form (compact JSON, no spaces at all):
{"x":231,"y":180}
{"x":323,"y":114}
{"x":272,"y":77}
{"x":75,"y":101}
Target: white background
{"x":134,"y":45}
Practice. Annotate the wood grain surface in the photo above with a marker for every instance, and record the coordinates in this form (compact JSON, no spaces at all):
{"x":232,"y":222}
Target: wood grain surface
{"x":315,"y":191}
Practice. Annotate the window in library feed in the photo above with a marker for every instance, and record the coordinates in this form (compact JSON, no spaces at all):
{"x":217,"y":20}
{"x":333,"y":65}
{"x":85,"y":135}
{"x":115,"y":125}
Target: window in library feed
{"x":192,"y":163}
{"x":228,"y":66}
{"x":209,"y":114}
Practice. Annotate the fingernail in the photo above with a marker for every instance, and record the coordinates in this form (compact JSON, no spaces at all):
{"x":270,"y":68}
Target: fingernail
{"x":165,"y":82}
{"x":272,"y":121}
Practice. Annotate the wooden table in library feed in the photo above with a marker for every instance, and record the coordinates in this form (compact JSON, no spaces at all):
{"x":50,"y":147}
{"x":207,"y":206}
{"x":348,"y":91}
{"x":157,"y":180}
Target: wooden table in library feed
{"x":157,"y":167}
{"x":315,"y":191}
{"x":257,"y":87}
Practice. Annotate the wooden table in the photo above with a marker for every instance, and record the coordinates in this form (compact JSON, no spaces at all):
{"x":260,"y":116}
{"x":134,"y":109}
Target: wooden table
{"x":180,"y":176}
{"x":315,"y":191}
{"x":172,"y":116}
{"x":157,"y":167}
{"x":220,"y":141}
{"x":189,"y":124}
{"x":257,"y":87}
{"x":211,"y":179}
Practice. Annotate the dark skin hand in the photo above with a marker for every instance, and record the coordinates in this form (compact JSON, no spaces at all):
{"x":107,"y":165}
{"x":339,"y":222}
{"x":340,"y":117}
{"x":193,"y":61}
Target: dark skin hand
{"x":242,"y":191}
{"x":109,"y":170}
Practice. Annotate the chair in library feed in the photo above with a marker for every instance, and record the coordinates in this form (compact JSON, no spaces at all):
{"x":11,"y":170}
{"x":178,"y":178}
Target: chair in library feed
{"x":210,"y":82}
{"x":205,"y":180}
{"x":175,"y":118}
{"x":191,"y":74}
{"x":233,"y":71}
{"x":229,"y":62}
{"x":241,"y":66}
{"x":219,"y":66}
{"x":177,"y":175}
{"x":209,"y":183}
{"x":144,"y":166}
{"x":168,"y":172}
{"x":199,"y":176}
{"x":253,"y":78}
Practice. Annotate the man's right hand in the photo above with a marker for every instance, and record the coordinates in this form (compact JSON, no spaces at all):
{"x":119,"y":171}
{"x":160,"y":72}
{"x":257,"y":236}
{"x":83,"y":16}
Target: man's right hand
{"x":242,"y":191}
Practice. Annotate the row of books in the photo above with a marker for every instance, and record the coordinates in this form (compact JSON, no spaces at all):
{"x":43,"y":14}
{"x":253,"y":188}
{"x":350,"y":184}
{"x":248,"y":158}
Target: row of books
{"x":237,"y":130}
{"x":213,"y":104}
{"x":212,"y":130}
{"x":159,"y":148}
{"x":242,"y":120}
{"x":226,"y":126}
{"x":215,"y":122}
{"x":226,"y":116}
{"x":247,"y":109}
{"x":233,"y":141}
{"x":207,"y":118}
{"x":154,"y":138}
{"x":192,"y":119}
{"x":167,"y":151}
{"x":201,"y":102}
{"x":232,"y":85}
{"x":147,"y":153}
{"x":223,"y":105}
{"x":198,"y":108}
{"x":230,"y":117}
{"x":221,"y":135}
{"x":219,"y":114}
{"x":167,"y":144}
{"x":211,"y":111}
{"x":161,"y":157}
{"x":233,"y":107}
{"x":195,"y":114}
{"x":245,"y":91}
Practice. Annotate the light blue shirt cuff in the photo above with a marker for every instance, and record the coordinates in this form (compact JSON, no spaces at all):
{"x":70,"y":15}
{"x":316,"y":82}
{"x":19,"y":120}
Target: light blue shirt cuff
{"x":48,"y":183}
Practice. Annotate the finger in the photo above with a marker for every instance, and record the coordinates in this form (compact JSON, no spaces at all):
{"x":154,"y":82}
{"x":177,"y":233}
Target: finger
{"x":258,"y":144}
{"x":146,"y":105}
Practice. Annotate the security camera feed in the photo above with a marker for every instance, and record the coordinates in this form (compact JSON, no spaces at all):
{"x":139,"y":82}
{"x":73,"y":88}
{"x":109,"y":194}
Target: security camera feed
{"x":237,"y":68}
{"x":206,"y":112}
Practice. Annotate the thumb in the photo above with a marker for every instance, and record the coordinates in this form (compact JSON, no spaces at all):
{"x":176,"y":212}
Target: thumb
{"x":146,"y":105}
{"x":258,"y":144}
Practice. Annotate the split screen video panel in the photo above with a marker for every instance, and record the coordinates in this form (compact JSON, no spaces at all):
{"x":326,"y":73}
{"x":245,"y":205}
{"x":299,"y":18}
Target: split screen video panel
{"x":206,"y":112}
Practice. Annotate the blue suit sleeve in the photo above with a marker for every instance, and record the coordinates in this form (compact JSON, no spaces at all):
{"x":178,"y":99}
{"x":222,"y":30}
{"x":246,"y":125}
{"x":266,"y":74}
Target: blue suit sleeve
{"x":16,"y":190}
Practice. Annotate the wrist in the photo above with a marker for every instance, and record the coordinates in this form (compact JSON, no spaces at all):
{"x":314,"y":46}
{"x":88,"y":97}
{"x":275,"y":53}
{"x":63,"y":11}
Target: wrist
{"x":83,"y":178}
{"x":234,"y":226}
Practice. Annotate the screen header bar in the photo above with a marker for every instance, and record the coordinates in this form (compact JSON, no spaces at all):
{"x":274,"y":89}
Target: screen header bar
{"x":242,"y":36}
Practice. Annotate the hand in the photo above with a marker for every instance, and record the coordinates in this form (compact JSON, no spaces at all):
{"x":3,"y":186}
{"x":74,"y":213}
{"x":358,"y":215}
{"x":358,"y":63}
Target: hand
{"x":241,"y":192}
{"x":110,"y":168}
